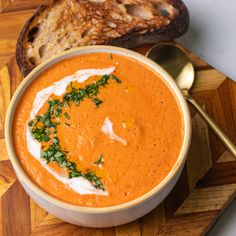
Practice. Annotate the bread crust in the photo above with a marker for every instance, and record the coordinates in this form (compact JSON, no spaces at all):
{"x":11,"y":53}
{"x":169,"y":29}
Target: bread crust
{"x":177,"y":27}
{"x":23,"y":64}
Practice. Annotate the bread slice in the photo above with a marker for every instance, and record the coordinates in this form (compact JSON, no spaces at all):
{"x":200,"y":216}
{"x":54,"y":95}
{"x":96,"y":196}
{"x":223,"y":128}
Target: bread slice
{"x":67,"y":24}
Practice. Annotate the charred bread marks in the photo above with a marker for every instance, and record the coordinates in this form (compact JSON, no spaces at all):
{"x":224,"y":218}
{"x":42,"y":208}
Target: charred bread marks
{"x":71,"y":23}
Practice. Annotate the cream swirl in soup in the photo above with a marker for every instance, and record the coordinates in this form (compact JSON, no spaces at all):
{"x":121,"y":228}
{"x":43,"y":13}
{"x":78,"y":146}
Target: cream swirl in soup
{"x":98,"y":130}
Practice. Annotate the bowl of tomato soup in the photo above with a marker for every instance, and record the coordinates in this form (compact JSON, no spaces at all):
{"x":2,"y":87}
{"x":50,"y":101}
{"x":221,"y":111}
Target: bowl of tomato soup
{"x":98,"y":135}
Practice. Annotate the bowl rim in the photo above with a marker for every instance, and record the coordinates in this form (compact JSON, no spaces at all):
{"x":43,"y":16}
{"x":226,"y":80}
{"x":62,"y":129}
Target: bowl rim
{"x":23,"y":177}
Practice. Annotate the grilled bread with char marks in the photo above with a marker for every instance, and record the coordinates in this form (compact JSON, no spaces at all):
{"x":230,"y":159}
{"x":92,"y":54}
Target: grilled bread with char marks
{"x":67,"y":24}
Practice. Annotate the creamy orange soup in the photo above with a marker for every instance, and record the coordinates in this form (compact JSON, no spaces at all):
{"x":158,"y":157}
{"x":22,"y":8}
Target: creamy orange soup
{"x":107,"y":139}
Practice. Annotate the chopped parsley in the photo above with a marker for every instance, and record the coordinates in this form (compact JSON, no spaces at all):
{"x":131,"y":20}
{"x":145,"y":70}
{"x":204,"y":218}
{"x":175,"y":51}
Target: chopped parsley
{"x":97,"y":102}
{"x":90,"y":91}
{"x":30,"y":123}
{"x":44,"y":128}
{"x":92,"y":177}
{"x":67,"y":116}
{"x":116,"y":79}
{"x":99,"y":161}
{"x":40,"y":134}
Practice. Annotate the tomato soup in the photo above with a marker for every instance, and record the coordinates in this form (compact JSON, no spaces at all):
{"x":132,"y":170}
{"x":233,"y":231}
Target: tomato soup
{"x":98,"y":130}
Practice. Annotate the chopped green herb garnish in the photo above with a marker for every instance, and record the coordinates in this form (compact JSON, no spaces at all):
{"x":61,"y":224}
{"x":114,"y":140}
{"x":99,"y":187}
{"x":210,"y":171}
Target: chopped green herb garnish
{"x":97,"y":102}
{"x":67,"y":116}
{"x":30,"y":123}
{"x":53,"y":102}
{"x":40,"y":134}
{"x":116,"y":79}
{"x":45,"y":138}
{"x":47,"y":123}
{"x":74,"y":174}
{"x":111,"y":56}
{"x":91,"y":176}
{"x":55,"y":154}
{"x":37,"y":119}
{"x":90,"y":91}
{"x":55,"y":140}
{"x":44,"y":128}
{"x":99,"y":160}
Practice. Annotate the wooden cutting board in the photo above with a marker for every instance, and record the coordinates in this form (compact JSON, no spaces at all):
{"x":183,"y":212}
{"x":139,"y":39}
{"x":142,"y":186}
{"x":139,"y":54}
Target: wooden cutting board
{"x":205,"y":188}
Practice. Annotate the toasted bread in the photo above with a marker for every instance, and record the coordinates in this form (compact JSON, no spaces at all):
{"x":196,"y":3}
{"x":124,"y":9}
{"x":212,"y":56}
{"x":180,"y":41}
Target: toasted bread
{"x":66,"y":24}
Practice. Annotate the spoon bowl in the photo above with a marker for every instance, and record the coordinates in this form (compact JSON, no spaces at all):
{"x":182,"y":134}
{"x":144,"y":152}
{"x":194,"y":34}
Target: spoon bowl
{"x":175,"y":62}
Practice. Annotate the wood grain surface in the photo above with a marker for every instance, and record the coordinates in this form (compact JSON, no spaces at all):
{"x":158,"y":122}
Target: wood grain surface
{"x":205,"y":188}
{"x":18,"y":5}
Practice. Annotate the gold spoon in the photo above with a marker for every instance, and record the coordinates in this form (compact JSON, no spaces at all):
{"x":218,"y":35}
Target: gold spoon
{"x":179,"y":66}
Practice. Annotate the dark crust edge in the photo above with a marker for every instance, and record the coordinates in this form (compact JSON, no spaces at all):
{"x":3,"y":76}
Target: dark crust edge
{"x":21,"y":60}
{"x":176,"y":28}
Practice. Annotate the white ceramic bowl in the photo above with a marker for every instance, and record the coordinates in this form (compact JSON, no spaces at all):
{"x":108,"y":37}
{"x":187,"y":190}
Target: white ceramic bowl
{"x":103,"y":216}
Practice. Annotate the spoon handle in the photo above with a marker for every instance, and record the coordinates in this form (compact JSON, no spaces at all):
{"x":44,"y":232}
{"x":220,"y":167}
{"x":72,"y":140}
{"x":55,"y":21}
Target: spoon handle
{"x":218,"y":131}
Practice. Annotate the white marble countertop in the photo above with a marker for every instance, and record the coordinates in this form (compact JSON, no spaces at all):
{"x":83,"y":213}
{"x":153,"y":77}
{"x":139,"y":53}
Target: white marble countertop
{"x":212,"y":33}
{"x":212,"y":36}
